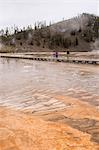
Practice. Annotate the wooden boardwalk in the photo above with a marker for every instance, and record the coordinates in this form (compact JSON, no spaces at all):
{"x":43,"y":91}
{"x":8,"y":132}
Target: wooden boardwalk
{"x":60,"y":59}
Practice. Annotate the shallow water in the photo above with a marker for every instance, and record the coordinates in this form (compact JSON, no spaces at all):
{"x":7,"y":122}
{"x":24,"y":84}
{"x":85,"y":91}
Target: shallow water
{"x":23,"y":83}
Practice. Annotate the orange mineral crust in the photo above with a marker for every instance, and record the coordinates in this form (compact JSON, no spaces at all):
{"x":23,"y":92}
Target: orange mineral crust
{"x":19,"y":131}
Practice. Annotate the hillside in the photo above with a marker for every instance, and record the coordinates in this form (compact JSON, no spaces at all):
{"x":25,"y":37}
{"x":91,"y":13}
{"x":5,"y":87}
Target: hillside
{"x":80,"y":33}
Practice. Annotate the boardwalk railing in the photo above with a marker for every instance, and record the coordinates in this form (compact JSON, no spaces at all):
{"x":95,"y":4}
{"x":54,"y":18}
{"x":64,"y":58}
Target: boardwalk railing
{"x":60,"y":59}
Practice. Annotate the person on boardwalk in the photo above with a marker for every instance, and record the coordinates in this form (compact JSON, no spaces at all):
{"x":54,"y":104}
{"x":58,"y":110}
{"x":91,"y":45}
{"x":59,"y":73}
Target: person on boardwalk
{"x":56,"y":54}
{"x":68,"y":52}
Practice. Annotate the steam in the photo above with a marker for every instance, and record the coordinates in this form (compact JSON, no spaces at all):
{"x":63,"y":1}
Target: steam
{"x":13,"y":41}
{"x":29,"y":36}
{"x":96,"y":44}
{"x":1,"y":45}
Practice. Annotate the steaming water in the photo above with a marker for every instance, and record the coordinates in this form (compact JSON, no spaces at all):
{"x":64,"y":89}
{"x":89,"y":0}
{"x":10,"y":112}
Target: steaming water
{"x":0,"y":45}
{"x":22,"y":82}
